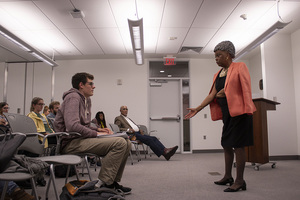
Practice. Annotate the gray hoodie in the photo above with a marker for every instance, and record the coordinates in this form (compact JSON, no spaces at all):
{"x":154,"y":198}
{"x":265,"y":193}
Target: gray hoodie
{"x":74,"y":116}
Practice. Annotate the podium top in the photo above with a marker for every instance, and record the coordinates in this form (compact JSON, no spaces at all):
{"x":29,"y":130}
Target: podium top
{"x":266,"y":100}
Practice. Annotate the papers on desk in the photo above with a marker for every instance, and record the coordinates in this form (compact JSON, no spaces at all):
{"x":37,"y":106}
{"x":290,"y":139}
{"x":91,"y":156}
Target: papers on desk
{"x":117,"y":134}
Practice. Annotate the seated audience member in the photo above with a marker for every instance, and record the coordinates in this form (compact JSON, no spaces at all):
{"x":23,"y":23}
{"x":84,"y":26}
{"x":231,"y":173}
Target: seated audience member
{"x":46,"y":111}
{"x":74,"y":115}
{"x":99,"y":120}
{"x":40,"y":120}
{"x":126,"y":124}
{"x":3,"y":121}
{"x":53,"y":107}
{"x":14,"y":192}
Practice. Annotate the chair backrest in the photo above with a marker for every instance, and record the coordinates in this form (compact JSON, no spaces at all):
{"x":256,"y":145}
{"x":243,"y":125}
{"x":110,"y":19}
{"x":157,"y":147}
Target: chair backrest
{"x":144,"y":129}
{"x":20,"y":123}
{"x":24,"y":124}
{"x":114,"y":128}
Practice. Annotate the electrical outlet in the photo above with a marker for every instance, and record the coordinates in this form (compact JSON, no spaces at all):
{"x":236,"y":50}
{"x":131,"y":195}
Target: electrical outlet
{"x":204,"y":137}
{"x":205,"y":116}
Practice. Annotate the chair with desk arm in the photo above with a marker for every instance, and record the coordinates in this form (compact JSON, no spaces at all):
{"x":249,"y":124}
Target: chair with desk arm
{"x":32,"y":144}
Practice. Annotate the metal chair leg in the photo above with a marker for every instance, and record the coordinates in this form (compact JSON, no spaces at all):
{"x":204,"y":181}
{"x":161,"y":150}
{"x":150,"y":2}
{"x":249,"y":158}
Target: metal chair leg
{"x":87,"y":167}
{"x":52,"y":176}
{"x":4,"y":190}
{"x":131,"y":157}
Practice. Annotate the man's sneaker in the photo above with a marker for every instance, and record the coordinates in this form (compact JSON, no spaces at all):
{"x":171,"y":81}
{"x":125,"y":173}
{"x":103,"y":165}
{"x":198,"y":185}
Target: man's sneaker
{"x":125,"y":190}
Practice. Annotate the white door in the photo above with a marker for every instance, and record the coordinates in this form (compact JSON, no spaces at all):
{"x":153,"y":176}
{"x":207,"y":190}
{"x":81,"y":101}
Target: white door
{"x":165,"y":111}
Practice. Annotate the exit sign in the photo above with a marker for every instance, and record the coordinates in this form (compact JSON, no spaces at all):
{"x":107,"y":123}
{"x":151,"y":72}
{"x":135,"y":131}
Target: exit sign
{"x":169,"y":61}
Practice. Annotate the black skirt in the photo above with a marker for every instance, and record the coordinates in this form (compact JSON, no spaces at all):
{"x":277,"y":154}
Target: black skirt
{"x":237,"y":131}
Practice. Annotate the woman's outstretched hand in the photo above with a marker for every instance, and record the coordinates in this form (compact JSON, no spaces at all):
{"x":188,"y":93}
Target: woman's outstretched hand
{"x":191,"y":114}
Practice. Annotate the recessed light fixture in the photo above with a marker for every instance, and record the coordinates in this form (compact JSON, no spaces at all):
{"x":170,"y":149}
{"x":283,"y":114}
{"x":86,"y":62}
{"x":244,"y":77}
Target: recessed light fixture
{"x":162,"y":71}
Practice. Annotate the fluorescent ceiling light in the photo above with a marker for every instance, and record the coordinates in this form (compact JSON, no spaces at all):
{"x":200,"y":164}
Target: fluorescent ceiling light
{"x":42,"y":58}
{"x":12,"y":38}
{"x":26,"y":47}
{"x":263,"y":37}
{"x":137,"y":39}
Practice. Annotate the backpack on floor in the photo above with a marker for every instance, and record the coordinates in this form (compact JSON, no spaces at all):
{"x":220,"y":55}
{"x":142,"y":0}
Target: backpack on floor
{"x":61,"y":171}
{"x":85,"y":190}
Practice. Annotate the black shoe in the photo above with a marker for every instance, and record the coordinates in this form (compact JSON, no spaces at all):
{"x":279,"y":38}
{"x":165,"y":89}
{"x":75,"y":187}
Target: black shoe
{"x":41,"y":182}
{"x":169,"y":152}
{"x":243,"y":187}
{"x":24,"y":184}
{"x":225,"y":182}
{"x":125,"y":190}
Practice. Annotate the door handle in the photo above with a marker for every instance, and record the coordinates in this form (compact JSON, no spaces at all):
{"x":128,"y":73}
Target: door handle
{"x":177,"y":118}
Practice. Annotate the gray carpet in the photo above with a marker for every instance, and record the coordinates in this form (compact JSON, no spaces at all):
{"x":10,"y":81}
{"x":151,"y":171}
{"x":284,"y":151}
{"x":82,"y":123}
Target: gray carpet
{"x":191,"y":176}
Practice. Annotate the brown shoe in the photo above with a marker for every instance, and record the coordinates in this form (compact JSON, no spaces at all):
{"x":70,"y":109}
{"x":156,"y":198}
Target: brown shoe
{"x":21,"y":195}
{"x":169,"y":152}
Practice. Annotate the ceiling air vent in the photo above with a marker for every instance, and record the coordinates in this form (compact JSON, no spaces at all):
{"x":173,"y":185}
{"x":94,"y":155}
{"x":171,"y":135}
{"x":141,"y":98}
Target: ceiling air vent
{"x":195,"y":49}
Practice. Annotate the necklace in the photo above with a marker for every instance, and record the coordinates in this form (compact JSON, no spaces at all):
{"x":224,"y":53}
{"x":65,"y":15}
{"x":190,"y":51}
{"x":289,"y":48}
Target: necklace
{"x":223,"y":72}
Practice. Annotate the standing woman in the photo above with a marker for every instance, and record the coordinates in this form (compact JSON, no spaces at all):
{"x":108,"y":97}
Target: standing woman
{"x":99,"y":120}
{"x":230,"y":99}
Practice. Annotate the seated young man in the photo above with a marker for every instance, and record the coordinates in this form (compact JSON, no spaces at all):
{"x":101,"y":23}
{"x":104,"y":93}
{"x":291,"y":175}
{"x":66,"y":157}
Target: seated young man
{"x":74,"y":115}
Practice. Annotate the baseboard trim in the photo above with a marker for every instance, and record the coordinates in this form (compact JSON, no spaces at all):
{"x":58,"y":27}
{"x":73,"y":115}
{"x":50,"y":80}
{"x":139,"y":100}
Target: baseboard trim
{"x":208,"y":151}
{"x":283,"y":157}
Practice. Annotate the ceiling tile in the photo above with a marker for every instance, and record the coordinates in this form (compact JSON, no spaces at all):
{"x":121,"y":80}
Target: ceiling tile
{"x":113,"y":45}
{"x":83,"y":40}
{"x":178,"y":13}
{"x":165,"y":45}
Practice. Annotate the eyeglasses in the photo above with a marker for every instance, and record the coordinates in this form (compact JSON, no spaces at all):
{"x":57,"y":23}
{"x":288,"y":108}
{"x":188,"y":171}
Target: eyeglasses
{"x":6,"y":108}
{"x":40,"y":104}
{"x":124,"y":108}
{"x":90,"y":83}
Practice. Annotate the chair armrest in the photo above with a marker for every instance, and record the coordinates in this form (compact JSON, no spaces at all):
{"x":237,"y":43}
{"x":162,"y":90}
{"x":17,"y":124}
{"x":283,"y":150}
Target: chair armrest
{"x":74,"y":133}
{"x":152,"y":131}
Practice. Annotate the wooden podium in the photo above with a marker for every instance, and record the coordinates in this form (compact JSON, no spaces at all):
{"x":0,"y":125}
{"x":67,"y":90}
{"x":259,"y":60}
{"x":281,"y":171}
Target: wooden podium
{"x":259,"y":153}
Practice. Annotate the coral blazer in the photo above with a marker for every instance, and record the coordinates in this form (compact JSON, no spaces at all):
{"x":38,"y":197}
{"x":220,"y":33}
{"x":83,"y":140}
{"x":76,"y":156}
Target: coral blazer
{"x":237,"y":90}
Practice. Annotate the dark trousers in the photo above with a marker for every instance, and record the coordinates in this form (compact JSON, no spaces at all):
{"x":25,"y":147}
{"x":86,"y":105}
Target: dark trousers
{"x":155,"y":145}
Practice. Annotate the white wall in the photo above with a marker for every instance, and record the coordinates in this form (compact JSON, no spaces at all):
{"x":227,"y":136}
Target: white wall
{"x":296,"y":68}
{"x":255,"y":70}
{"x":2,"y":69}
{"x":280,"y":87}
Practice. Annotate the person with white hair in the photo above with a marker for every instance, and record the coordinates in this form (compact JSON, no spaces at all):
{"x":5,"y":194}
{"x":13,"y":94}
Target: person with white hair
{"x":230,"y":100}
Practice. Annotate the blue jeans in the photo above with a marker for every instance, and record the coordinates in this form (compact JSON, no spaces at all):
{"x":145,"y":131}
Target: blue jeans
{"x":10,"y":188}
{"x":155,"y":145}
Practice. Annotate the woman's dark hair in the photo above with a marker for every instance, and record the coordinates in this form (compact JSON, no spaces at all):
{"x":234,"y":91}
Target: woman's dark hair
{"x":34,"y":101}
{"x":81,"y":77}
{"x":99,"y":120}
{"x":2,"y":104}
